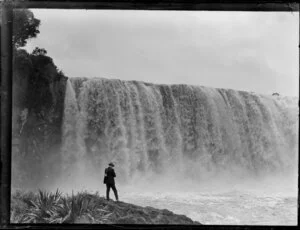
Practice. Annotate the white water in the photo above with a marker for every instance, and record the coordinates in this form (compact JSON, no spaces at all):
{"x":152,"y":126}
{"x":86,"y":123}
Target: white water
{"x":218,"y":156}
{"x":271,"y":201}
{"x":266,"y":201}
{"x":235,"y":207}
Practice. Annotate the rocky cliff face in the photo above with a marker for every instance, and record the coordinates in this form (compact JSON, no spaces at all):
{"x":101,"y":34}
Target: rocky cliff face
{"x":38,"y":101}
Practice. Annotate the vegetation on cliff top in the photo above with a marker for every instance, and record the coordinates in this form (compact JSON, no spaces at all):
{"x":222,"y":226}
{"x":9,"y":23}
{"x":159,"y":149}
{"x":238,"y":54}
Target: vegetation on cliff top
{"x":44,"y":207}
{"x":38,"y":102}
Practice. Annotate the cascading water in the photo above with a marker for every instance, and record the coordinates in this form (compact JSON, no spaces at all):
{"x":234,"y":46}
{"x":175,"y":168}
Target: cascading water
{"x":188,"y":131}
{"x":73,"y":148}
{"x":219,"y":156}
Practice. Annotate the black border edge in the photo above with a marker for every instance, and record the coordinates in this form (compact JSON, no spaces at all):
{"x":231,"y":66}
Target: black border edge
{"x":6,"y":111}
{"x":228,"y":5}
{"x":6,"y":83}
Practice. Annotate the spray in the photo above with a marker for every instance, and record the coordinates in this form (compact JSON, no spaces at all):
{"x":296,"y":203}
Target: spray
{"x":177,"y":133}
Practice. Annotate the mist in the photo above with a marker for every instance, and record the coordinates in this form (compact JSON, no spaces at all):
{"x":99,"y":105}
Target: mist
{"x":97,"y":131}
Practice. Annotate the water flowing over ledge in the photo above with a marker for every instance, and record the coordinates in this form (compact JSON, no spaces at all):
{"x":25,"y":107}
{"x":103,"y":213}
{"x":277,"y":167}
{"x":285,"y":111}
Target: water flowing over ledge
{"x":176,"y":131}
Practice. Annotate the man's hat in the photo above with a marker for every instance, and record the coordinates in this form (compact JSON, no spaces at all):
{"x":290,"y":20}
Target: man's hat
{"x":111,"y":164}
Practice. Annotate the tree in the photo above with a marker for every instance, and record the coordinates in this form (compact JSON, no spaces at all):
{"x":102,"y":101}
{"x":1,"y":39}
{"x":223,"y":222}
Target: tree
{"x":39,"y":51}
{"x":25,"y":26}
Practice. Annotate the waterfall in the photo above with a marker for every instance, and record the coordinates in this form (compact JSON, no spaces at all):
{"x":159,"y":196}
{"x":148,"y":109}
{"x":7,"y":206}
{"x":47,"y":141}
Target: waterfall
{"x":179,"y":130}
{"x":73,"y":147}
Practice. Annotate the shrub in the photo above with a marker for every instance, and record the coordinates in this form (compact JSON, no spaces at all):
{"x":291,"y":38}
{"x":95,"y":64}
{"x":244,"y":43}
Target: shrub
{"x":47,"y":207}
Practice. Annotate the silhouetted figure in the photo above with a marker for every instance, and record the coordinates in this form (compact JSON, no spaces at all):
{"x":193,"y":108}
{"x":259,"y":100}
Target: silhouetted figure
{"x":110,"y":181}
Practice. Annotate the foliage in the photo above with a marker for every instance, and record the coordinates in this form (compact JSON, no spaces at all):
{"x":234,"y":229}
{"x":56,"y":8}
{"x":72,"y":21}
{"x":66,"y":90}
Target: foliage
{"x":34,"y":72}
{"x":45,"y":207}
{"x":83,"y":207}
{"x":38,"y":87}
{"x":40,"y":71}
{"x":25,"y":26}
{"x":39,"y":51}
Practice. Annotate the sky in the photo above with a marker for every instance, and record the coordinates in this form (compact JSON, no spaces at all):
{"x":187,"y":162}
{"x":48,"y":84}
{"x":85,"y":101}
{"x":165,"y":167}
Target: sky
{"x":250,"y":51}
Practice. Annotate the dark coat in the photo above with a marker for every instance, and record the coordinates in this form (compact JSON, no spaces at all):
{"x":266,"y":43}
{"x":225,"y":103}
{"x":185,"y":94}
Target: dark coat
{"x":110,"y":172}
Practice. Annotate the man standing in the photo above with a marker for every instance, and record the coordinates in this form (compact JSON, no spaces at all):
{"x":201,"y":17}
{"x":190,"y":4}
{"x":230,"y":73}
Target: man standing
{"x":110,"y":181}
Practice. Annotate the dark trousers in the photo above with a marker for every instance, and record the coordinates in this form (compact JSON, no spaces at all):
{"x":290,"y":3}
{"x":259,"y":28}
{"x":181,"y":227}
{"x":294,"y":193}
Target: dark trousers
{"x":108,"y":186}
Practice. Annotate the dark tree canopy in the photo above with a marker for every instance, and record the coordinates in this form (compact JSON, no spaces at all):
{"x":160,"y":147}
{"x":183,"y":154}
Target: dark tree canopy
{"x":39,"y":51}
{"x":38,"y":91}
{"x":25,"y":26}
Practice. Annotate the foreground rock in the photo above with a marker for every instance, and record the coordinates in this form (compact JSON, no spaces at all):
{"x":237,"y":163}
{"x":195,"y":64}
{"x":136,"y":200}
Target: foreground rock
{"x":85,"y":208}
{"x":125,"y":213}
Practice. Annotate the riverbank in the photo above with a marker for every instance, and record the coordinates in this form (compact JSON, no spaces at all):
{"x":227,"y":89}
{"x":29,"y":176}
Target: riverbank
{"x":86,"y":208}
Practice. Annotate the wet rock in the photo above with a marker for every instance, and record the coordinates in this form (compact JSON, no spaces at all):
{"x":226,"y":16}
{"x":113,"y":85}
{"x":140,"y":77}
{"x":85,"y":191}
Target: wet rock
{"x":124,"y":213}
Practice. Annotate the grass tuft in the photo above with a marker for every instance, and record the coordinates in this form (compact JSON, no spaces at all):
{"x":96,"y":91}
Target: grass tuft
{"x":47,"y":207}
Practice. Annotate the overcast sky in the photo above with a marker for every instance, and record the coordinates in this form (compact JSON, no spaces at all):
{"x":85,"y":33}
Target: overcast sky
{"x":252,"y":51}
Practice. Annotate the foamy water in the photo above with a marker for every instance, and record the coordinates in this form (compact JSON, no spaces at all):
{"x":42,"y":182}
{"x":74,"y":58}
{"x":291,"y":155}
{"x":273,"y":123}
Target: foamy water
{"x":224,"y":201}
{"x":268,"y":201}
{"x":231,"y":208}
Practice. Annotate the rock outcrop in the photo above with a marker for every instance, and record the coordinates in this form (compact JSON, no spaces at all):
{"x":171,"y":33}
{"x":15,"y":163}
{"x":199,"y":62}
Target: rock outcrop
{"x":85,"y":208}
{"x":125,"y":213}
